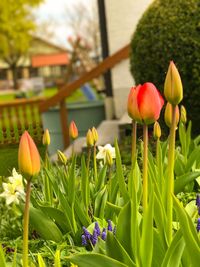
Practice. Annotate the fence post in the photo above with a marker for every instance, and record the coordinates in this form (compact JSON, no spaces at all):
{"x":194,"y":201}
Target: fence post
{"x":64,"y":119}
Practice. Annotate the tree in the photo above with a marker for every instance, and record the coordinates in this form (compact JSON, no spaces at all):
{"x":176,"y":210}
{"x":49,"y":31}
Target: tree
{"x":16,"y":26}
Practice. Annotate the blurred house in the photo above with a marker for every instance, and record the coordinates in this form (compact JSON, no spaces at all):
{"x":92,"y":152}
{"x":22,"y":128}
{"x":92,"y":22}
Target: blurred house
{"x":44,"y":59}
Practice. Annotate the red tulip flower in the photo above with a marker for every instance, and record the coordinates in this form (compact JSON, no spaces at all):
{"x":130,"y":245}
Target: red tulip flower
{"x":28,"y":156}
{"x":145,"y":103}
{"x":73,"y":131}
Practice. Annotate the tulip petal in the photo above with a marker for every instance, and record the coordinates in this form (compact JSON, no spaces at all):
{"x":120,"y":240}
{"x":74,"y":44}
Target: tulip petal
{"x":133,"y":109}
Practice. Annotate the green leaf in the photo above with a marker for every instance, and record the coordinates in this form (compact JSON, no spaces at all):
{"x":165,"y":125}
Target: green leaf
{"x":71,"y":185}
{"x":194,"y":156}
{"x":57,"y":262}
{"x":2,"y":258}
{"x":80,"y":212}
{"x":41,"y":261}
{"x":183,"y":180}
{"x":158,"y":249}
{"x":116,"y":251}
{"x":94,"y":260}
{"x":174,"y":253}
{"x":101,"y":178}
{"x":84,"y":183}
{"x":120,"y":176}
{"x":189,"y":233}
{"x":46,"y":228}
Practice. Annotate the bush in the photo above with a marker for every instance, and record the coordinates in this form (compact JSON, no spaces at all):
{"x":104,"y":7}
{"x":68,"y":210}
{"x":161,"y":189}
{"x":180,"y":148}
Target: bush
{"x":170,"y":30}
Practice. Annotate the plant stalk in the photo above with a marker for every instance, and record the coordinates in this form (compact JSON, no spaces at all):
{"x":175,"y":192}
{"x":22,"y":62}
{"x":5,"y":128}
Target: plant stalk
{"x":88,"y":159}
{"x":170,"y":180}
{"x":134,"y":136}
{"x":26,"y":224}
{"x":145,"y":167}
{"x":95,"y":163}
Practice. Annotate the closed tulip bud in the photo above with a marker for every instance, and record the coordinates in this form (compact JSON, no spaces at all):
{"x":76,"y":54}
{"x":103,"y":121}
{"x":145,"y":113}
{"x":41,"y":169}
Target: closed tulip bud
{"x":173,"y":89}
{"x":28,"y":156}
{"x":89,"y":138}
{"x":168,"y":115}
{"x":73,"y":131}
{"x":109,"y":159}
{"x":61,"y":157}
{"x":95,"y":134}
{"x":46,"y":138}
{"x":183,"y":115}
{"x":156,"y":130}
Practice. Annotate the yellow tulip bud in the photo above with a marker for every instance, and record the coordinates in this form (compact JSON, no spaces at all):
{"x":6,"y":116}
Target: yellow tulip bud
{"x":173,"y":89}
{"x":89,"y":138}
{"x":61,"y":157}
{"x":156,"y":130}
{"x":95,"y":134}
{"x":73,"y":131}
{"x":46,"y":138}
{"x":168,"y":115}
{"x":28,"y":156}
{"x":109,"y":159}
{"x":183,"y":115}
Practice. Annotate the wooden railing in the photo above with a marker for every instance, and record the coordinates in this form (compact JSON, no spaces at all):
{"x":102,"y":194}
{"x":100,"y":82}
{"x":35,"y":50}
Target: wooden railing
{"x":17,"y":116}
{"x":68,"y":89}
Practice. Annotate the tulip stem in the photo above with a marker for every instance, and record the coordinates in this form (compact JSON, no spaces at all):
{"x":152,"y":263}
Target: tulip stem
{"x":134,"y":136}
{"x":95,"y":163}
{"x":26,"y":224}
{"x":170,"y":180}
{"x":145,"y":166}
{"x":88,"y":159}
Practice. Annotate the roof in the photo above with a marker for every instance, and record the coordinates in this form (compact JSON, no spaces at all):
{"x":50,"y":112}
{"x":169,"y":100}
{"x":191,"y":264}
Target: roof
{"x":50,"y":60}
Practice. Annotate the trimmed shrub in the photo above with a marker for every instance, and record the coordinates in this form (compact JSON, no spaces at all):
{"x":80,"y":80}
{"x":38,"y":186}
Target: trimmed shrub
{"x":170,"y":30}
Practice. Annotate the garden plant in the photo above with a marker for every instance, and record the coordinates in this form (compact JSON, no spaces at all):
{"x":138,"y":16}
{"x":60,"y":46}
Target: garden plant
{"x":93,"y":210}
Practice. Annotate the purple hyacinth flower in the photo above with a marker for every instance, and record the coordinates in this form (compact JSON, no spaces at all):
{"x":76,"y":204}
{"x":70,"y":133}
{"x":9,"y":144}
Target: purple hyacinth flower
{"x":94,"y":237}
{"x":97,"y":229}
{"x":198,"y":224}
{"x":84,"y":241}
{"x":198,"y":200}
{"x":110,"y":226}
{"x":103,"y":235}
{"x":86,"y":233}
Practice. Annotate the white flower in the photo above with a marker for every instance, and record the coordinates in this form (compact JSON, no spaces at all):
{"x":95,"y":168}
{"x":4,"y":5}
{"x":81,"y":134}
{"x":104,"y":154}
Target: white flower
{"x":14,"y":189}
{"x":102,"y":152}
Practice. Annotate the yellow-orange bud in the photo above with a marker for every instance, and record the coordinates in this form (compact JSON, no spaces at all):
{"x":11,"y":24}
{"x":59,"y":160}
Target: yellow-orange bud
{"x":156,"y":130}
{"x":183,"y":115}
{"x":173,"y":89}
{"x":168,"y":115}
{"x":95,"y":134}
{"x":46,"y":138}
{"x":28,"y":156}
{"x":61,"y":157}
{"x":89,"y":138}
{"x":73,"y":131}
{"x":109,"y":159}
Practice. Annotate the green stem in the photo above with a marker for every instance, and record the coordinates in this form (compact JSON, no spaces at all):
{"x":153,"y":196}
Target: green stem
{"x":88,"y":159}
{"x":109,"y":183}
{"x":26,"y":224}
{"x":145,"y":166}
{"x":159,"y":166}
{"x":170,"y":180}
{"x":134,"y":136}
{"x":95,"y":164}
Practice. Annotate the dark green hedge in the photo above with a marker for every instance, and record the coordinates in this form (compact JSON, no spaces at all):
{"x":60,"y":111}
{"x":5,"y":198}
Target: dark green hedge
{"x":170,"y":30}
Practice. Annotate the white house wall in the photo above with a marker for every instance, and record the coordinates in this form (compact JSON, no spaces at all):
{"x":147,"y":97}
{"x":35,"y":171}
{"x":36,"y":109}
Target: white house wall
{"x":122,"y":17}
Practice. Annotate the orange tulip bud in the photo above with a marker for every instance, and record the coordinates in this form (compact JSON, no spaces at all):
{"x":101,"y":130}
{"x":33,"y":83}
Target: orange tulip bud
{"x":168,"y":115}
{"x":28,"y":156}
{"x":89,"y":138}
{"x":173,"y":88}
{"x":156,"y":130}
{"x":95,"y":134}
{"x":73,"y":131}
{"x":46,"y":138}
{"x":145,"y":103}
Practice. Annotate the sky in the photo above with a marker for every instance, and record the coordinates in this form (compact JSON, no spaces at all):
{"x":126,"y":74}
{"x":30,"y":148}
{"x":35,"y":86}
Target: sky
{"x":53,"y":14}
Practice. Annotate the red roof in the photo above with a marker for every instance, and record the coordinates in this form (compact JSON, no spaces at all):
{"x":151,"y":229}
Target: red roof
{"x":50,"y":60}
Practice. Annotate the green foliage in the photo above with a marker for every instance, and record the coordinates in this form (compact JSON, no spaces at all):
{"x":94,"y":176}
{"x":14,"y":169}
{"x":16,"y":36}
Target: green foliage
{"x":169,"y":30}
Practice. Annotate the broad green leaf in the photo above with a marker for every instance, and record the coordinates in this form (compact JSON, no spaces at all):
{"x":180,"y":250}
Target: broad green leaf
{"x":174,"y":253}
{"x":80,"y":212}
{"x":46,"y":228}
{"x":189,"y":233}
{"x":146,"y":242}
{"x":101,"y":178}
{"x":191,"y":209}
{"x":57,"y":262}
{"x":116,"y":251}
{"x":84,"y":183}
{"x":183,"y":180}
{"x":98,"y":200}
{"x":194,"y":156}
{"x":158,"y":249}
{"x":94,"y":260}
{"x":182,"y":138}
{"x":2,"y":258}
{"x":41,"y":262}
{"x":120,"y":176}
{"x":72,"y":190}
